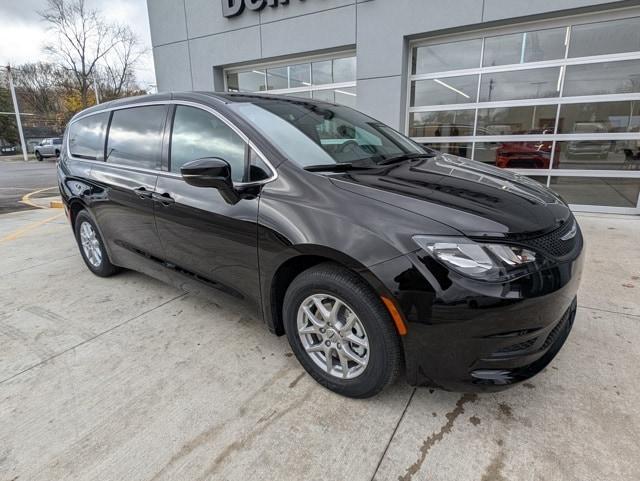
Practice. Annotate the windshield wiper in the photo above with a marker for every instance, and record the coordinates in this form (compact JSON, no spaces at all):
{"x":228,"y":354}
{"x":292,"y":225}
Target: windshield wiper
{"x":340,"y":167}
{"x":403,"y":157}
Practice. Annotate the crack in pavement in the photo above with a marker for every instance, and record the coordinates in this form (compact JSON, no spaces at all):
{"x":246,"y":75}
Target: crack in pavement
{"x":437,"y":437}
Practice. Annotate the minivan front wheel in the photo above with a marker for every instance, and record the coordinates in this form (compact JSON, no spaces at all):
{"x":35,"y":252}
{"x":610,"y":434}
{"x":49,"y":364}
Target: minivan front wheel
{"x":91,"y":247}
{"x":340,"y":331}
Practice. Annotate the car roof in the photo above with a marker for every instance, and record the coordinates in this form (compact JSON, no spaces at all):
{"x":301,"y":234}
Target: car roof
{"x":205,"y":97}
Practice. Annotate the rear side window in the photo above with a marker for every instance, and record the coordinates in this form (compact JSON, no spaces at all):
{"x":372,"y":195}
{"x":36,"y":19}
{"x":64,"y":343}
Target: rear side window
{"x":57,"y":141}
{"x":135,"y":136}
{"x":197,"y":134}
{"x":86,"y":137}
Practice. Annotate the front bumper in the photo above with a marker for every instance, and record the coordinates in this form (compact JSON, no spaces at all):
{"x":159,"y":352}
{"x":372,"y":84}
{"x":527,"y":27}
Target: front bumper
{"x":465,"y":335}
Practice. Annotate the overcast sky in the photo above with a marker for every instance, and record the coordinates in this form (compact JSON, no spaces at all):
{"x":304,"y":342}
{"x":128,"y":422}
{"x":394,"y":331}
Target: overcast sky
{"x":23,"y":34}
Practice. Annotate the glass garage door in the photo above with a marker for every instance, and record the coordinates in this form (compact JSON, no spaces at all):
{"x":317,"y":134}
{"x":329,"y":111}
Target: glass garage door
{"x":330,"y":79}
{"x":557,"y":102}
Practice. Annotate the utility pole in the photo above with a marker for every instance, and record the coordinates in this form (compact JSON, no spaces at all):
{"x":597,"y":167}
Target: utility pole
{"x":95,"y":89}
{"x":17,"y":112}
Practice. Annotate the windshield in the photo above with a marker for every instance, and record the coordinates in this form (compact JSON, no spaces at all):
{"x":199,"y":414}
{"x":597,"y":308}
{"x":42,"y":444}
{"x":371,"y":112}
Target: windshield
{"x":314,"y":134}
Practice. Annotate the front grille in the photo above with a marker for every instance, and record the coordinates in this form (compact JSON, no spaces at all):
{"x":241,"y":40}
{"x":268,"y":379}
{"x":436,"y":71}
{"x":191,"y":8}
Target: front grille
{"x":553,"y":244}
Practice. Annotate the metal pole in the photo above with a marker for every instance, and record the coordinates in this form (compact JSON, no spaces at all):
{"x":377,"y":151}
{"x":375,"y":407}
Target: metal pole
{"x":95,"y":89}
{"x":17,"y":112}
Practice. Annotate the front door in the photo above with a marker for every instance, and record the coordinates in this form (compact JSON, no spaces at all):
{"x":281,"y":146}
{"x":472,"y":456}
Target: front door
{"x":202,"y":234}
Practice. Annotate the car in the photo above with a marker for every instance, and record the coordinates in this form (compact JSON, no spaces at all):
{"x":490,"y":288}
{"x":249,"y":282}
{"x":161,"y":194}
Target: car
{"x":577,"y":149}
{"x":371,"y":254}
{"x":7,"y":149}
{"x":48,"y":148}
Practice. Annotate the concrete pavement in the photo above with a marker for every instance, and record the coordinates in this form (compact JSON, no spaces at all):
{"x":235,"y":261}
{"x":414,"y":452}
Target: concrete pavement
{"x":127,"y":378}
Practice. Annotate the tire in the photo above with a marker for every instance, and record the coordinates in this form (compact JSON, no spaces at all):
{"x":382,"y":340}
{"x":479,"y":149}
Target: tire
{"x":38,"y":156}
{"x":383,"y":356}
{"x":101,"y":267}
{"x":57,"y":154}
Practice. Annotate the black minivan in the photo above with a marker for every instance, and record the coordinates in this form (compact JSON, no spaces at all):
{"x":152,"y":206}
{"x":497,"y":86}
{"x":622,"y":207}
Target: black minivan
{"x":373,"y":254}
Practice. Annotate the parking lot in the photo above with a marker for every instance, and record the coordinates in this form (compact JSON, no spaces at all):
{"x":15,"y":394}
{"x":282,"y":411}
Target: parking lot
{"x":127,"y":378}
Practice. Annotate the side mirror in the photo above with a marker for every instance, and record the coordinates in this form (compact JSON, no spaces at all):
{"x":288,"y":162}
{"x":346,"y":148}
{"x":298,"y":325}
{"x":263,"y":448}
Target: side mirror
{"x":211,"y":172}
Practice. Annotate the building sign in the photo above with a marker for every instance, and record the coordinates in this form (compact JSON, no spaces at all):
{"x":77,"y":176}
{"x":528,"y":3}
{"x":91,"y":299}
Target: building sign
{"x":232,"y":8}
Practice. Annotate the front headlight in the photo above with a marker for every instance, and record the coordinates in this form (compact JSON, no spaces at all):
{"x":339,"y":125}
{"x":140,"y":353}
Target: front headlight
{"x":488,"y":262}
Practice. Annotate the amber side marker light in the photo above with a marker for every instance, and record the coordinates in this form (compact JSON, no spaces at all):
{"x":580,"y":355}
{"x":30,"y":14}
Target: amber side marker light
{"x":395,"y":315}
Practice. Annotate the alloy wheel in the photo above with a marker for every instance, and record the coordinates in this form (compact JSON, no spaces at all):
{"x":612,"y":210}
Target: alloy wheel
{"x":90,"y":244}
{"x":333,"y":336}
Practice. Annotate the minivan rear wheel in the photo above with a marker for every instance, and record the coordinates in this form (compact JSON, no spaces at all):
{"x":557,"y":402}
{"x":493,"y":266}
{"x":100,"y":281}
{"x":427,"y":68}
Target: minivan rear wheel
{"x":92,"y":247}
{"x":340,"y":331}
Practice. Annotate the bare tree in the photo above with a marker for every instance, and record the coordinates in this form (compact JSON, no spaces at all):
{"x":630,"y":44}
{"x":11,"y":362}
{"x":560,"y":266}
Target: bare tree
{"x":82,"y":40}
{"x":116,"y":71}
{"x":39,"y":85}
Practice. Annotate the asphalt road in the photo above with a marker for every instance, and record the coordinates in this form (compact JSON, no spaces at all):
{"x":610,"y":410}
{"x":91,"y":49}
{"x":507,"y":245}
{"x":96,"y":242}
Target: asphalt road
{"x":18,"y":178}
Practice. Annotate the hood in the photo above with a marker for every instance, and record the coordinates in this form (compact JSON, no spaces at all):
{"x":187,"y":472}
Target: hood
{"x":476,"y":199}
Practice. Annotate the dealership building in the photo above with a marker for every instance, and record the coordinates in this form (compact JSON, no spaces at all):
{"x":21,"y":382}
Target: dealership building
{"x":549,"y":89}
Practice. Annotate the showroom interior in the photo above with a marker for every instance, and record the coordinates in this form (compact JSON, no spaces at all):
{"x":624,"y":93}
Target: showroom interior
{"x":546,"y":89}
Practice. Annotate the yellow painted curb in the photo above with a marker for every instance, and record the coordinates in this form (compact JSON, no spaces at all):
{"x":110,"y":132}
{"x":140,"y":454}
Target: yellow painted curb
{"x":27,"y":198}
{"x":56,"y":204}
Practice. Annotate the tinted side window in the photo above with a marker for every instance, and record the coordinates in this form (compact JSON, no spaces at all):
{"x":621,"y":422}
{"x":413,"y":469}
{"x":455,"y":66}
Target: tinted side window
{"x":258,"y":170}
{"x":57,"y":141}
{"x":135,"y":136}
{"x":86,"y":137}
{"x":197,"y":134}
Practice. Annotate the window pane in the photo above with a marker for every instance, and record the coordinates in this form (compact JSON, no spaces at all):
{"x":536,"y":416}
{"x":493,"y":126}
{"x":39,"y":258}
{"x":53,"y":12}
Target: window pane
{"x":277,"y":78}
{"x":602,"y":78}
{"x":86,"y":137}
{"x":452,"y":90}
{"x":535,"y":119}
{"x":135,"y":136}
{"x":605,"y":37}
{"x":322,"y":72}
{"x":290,"y":76}
{"x":344,"y":70}
{"x":198,"y":134}
{"x":520,"y":84}
{"x":447,"y":56}
{"x":597,"y":190}
{"x":250,"y":81}
{"x":258,"y":170}
{"x":524,"y":47}
{"x":515,"y":155}
{"x":459,"y":149}
{"x":599,"y":117}
{"x":300,"y":75}
{"x":441,"y":124}
{"x":598,"y":154}
{"x":232,"y":82}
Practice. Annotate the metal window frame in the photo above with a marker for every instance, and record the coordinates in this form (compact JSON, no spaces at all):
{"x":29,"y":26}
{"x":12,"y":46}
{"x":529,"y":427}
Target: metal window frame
{"x":295,"y":61}
{"x":567,"y":22}
{"x":166,"y":173}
